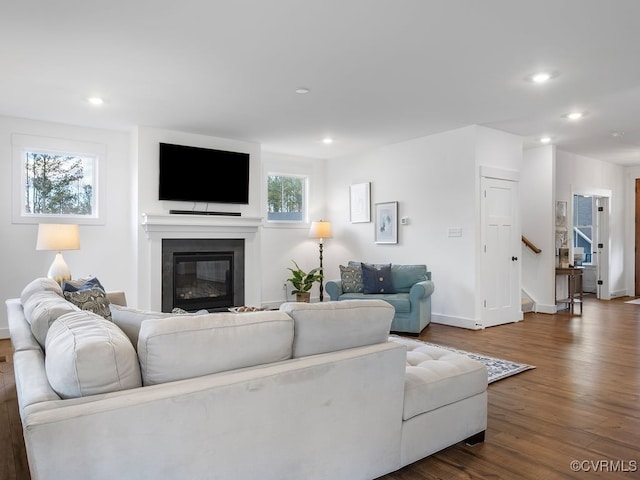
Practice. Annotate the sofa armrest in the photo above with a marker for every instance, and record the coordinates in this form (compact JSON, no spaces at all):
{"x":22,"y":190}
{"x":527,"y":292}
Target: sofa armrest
{"x":334,"y":289}
{"x":420,"y":290}
{"x":117,"y":298}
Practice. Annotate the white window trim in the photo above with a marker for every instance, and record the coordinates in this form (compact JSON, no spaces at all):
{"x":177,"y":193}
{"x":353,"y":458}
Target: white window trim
{"x":22,"y":143}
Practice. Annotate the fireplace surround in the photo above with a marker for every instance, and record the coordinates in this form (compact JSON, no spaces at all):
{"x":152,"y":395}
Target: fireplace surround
{"x":202,"y":273}
{"x":158,"y":227}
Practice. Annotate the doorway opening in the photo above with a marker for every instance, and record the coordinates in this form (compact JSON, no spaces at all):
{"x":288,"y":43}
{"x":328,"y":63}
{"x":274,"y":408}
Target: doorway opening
{"x":590,"y":239}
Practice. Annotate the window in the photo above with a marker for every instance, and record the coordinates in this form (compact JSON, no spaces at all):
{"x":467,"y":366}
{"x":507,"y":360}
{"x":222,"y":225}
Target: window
{"x":583,"y":207}
{"x":286,"y":198}
{"x":56,"y":180}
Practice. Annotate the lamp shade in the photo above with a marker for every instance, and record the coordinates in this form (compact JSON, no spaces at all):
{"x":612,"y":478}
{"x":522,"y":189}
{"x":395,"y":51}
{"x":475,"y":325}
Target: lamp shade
{"x":320,"y":229}
{"x":58,"y":237}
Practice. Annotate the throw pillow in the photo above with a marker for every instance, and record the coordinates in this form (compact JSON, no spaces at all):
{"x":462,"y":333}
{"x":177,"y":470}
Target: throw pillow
{"x":93,"y":300}
{"x":377,"y":278}
{"x":351,"y":278}
{"x":81,"y":284}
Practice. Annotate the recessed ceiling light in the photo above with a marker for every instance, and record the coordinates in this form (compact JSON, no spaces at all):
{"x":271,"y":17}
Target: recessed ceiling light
{"x":327,"y":141}
{"x":545,"y":139}
{"x":541,"y":77}
{"x":95,"y":100}
{"x":302,"y":90}
{"x":574,"y":115}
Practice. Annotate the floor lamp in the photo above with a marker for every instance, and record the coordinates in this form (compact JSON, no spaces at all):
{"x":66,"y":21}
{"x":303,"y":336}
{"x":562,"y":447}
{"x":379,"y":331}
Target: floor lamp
{"x":320,"y":230}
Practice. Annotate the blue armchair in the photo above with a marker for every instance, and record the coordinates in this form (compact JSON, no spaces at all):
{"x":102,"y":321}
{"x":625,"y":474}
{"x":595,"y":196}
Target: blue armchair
{"x":411,"y":299}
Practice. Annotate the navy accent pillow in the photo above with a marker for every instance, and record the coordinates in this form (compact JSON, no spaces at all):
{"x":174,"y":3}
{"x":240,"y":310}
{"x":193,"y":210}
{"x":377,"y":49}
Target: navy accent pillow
{"x":377,"y":278}
{"x":81,"y":284}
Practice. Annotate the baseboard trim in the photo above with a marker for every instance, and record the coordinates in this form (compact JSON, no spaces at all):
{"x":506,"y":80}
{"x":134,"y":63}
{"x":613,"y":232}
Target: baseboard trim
{"x":455,"y":321}
{"x":550,"y":309}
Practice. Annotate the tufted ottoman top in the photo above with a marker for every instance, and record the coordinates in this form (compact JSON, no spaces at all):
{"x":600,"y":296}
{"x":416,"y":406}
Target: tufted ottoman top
{"x":436,"y":377}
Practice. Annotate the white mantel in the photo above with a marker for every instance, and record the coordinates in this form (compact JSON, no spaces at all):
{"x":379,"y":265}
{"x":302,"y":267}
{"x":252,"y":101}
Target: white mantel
{"x":160,"y":226}
{"x":158,"y":223}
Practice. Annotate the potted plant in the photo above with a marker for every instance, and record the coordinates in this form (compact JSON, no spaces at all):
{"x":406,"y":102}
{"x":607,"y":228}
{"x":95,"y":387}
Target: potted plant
{"x":302,"y":282}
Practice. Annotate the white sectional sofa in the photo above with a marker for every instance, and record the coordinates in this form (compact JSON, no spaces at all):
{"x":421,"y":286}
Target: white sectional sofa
{"x":312,"y":391}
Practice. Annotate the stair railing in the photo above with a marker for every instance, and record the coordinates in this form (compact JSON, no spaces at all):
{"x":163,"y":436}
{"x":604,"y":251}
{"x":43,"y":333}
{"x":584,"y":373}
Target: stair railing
{"x":530,"y":244}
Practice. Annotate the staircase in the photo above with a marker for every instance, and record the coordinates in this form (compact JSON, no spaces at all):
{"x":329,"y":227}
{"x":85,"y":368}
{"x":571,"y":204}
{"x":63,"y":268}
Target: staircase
{"x":527,"y":303}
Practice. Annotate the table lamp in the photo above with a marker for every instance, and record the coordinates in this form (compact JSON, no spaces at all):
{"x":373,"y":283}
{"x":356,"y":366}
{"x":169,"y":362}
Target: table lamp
{"x":58,"y":237}
{"x":320,"y":230}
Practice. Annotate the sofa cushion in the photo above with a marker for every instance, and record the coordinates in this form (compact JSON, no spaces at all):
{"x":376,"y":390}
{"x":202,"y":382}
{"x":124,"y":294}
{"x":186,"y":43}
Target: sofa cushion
{"x":87,"y":355}
{"x":377,"y":278}
{"x":42,"y":309}
{"x":39,"y":285}
{"x":399,"y":301}
{"x":351,"y":278}
{"x":187,"y":346}
{"x":436,"y":377}
{"x":330,"y":326}
{"x":130,"y":319}
{"x":404,"y":277}
{"x":93,"y":299}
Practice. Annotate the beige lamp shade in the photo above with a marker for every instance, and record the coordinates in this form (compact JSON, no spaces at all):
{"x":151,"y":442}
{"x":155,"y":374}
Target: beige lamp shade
{"x":320,"y":229}
{"x":58,"y":237}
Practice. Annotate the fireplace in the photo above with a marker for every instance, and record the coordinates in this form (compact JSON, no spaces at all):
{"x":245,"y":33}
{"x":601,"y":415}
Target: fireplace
{"x":202,"y":274}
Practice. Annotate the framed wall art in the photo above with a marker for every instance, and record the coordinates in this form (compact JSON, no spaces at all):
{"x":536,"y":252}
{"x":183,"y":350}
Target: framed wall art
{"x":386,"y":222}
{"x":360,"y":202}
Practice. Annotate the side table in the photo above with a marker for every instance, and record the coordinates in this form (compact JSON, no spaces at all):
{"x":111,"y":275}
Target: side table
{"x":574,"y":288}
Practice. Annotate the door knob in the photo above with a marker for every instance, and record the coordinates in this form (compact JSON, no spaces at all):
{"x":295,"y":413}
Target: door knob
{"x":514,"y":259}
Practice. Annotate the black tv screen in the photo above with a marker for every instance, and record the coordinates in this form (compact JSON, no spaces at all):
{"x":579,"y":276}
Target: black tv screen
{"x":195,"y":174}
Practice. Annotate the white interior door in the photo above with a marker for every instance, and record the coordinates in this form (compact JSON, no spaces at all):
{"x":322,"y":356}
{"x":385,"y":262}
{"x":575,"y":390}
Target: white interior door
{"x":500,"y":266}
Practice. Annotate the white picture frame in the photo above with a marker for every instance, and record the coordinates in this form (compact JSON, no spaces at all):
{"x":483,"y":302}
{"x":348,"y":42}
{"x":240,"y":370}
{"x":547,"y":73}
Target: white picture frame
{"x":360,"y":202}
{"x":386,"y":223}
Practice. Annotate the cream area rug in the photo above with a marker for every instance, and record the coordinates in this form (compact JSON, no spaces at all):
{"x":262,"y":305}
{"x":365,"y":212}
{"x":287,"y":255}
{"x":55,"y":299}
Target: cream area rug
{"x":636,"y":301}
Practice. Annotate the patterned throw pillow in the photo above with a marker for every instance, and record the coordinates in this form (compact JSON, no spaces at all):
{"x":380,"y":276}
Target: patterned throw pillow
{"x":351,"y":279}
{"x":93,"y":300}
{"x":81,"y":284}
{"x":377,"y":278}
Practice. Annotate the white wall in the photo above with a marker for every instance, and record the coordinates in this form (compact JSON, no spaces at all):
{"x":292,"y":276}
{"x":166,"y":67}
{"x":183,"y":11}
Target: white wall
{"x":435,"y":180}
{"x":537,"y":203}
{"x":576,"y":174}
{"x":106,"y":251}
{"x":281,"y":242}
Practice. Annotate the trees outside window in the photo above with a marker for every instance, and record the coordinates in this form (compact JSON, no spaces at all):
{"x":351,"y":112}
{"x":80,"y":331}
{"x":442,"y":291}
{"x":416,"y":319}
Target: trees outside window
{"x":286,"y":198}
{"x":57,"y":184}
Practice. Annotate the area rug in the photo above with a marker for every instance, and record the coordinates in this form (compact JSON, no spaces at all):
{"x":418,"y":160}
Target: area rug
{"x":497,"y":368}
{"x":636,"y":301}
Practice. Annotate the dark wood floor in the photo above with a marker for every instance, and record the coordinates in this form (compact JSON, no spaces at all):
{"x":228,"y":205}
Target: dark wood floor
{"x":581,"y":404}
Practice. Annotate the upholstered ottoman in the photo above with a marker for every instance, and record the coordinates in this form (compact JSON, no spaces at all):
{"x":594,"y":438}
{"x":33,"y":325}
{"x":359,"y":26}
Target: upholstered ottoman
{"x":445,"y":385}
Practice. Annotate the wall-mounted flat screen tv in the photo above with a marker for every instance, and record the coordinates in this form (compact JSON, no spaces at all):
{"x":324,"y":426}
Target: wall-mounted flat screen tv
{"x":195,"y":174}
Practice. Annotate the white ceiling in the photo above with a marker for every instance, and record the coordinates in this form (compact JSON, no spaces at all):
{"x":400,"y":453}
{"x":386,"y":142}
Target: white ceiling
{"x":379,"y":71}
